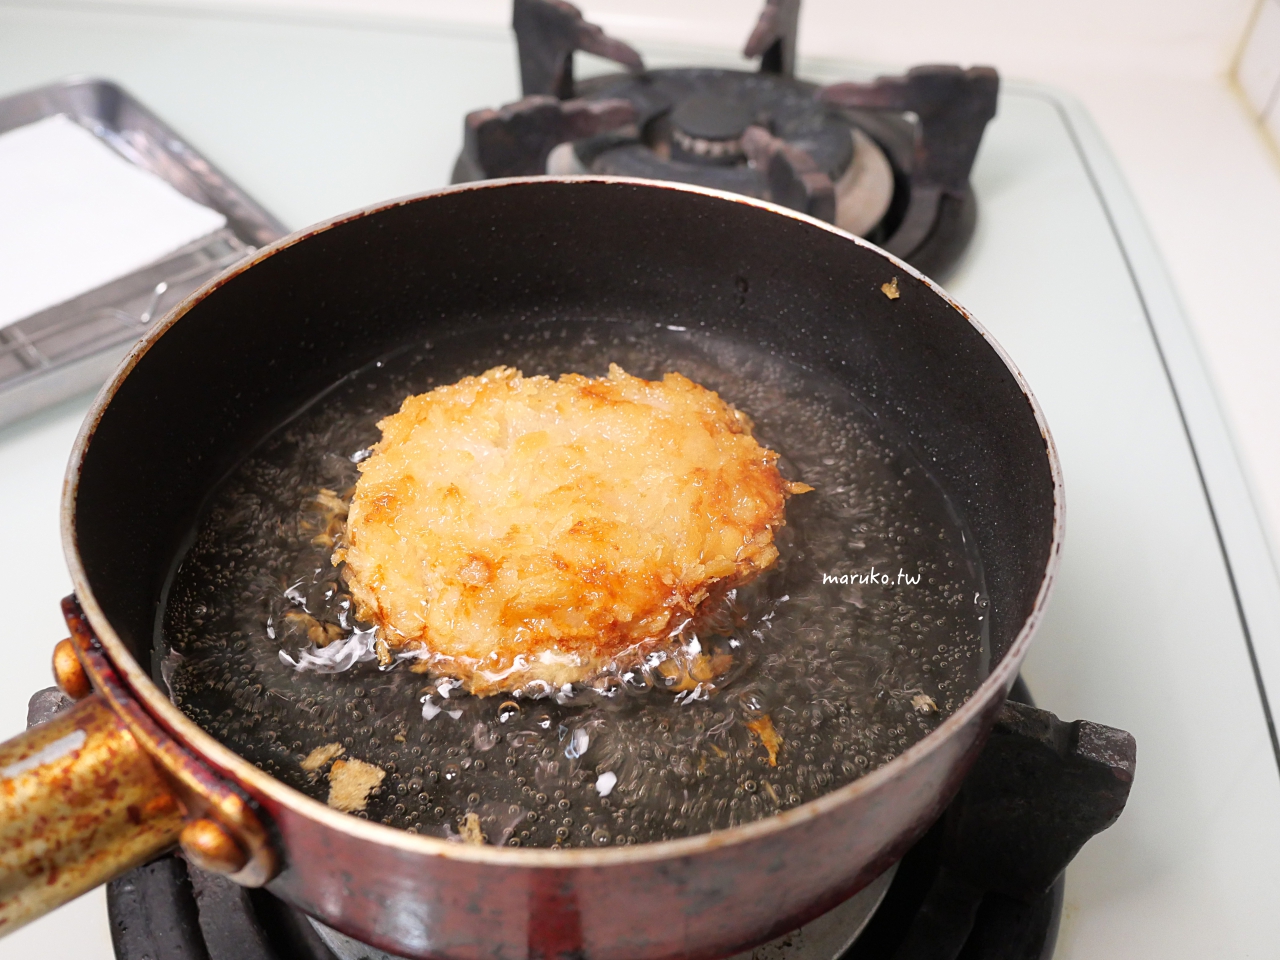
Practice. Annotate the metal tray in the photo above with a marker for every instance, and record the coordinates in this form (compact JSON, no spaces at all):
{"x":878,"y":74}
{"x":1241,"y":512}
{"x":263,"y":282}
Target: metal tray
{"x":75,"y":345}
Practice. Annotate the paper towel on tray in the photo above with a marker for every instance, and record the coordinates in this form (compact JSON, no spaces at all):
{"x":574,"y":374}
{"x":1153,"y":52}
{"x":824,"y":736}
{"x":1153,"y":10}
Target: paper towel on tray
{"x":74,"y":215}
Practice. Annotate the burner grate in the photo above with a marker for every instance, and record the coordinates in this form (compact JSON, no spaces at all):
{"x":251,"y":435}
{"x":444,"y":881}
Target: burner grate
{"x":887,"y":160}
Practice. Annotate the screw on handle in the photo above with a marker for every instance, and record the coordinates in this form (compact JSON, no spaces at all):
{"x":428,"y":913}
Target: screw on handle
{"x":211,"y":847}
{"x":68,"y":671}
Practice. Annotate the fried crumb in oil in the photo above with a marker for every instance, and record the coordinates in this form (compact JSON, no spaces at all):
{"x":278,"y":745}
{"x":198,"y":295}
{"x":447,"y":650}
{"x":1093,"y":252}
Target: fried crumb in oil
{"x":317,"y":758}
{"x":923,"y":703}
{"x":351,"y":782}
{"x":469,"y":829}
{"x":332,"y":509}
{"x":321,"y":634}
{"x":762,"y":727}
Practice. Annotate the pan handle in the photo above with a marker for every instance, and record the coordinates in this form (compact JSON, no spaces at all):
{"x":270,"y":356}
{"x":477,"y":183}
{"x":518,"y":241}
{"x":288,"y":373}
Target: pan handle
{"x":100,"y":788}
{"x":80,"y":802}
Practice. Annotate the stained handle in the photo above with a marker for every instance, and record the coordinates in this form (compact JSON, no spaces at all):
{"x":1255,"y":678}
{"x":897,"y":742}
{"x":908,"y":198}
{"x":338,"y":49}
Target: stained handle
{"x":80,"y":802}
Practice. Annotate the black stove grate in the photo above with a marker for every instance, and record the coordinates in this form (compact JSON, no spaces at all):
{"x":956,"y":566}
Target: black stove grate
{"x":1004,"y":928}
{"x":888,"y":160}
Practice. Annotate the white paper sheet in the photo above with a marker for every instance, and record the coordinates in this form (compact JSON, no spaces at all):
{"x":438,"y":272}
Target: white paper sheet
{"x":74,"y":215}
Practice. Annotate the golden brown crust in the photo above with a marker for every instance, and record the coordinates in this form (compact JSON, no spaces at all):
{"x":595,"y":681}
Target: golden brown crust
{"x":512,"y":529}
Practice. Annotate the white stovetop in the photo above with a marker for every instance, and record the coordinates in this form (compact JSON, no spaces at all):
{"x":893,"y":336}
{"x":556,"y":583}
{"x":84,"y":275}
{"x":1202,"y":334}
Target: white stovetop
{"x":1142,"y":632}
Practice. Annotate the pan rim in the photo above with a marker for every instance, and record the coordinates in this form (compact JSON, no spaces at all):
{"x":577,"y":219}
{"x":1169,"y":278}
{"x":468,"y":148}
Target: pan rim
{"x":231,"y":766}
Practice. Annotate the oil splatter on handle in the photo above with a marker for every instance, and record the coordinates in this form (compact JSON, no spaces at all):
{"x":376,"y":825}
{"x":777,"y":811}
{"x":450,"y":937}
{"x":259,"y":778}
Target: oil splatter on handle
{"x":80,"y":802}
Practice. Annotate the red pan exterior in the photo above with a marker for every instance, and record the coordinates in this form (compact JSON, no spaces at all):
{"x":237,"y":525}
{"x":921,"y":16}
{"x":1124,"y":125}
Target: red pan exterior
{"x":708,"y":902}
{"x":705,"y":896}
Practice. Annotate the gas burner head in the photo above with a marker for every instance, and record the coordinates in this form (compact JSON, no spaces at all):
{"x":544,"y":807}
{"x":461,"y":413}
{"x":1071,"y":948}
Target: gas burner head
{"x":691,"y":127}
{"x":887,"y":160}
{"x":707,"y":128}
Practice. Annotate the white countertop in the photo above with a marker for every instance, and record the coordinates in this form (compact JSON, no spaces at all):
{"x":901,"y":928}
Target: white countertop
{"x":313,"y":118}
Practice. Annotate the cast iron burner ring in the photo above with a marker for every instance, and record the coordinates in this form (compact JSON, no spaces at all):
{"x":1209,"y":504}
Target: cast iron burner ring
{"x":713,"y":107}
{"x":709,"y":128}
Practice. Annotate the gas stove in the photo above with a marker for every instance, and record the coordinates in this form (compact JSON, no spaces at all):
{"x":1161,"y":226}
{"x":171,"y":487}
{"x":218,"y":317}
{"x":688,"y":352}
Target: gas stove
{"x":985,"y":883}
{"x":887,"y":160}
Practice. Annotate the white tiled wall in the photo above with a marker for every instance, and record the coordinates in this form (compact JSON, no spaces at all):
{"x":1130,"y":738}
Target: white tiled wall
{"x":1259,"y":68}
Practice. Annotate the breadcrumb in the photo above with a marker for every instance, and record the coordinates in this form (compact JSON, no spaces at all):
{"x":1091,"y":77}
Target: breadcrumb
{"x":762,"y":727}
{"x":351,"y":782}
{"x":923,"y":703}
{"x":469,"y":830}
{"x":318,"y":757}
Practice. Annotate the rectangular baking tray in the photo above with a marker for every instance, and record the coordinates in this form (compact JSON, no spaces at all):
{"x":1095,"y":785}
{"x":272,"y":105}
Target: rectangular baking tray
{"x":72,"y":347}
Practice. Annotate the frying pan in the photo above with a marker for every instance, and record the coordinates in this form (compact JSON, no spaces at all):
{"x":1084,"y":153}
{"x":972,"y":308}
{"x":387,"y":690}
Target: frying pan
{"x":124,"y":775}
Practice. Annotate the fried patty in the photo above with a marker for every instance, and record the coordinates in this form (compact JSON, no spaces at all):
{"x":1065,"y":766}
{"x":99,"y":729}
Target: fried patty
{"x":521,"y":533}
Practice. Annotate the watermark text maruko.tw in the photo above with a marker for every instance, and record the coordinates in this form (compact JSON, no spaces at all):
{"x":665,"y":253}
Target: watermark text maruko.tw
{"x":874,"y":576}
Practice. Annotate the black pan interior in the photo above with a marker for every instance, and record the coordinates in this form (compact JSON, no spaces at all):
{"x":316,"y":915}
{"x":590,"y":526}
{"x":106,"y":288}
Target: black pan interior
{"x":258,"y":347}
